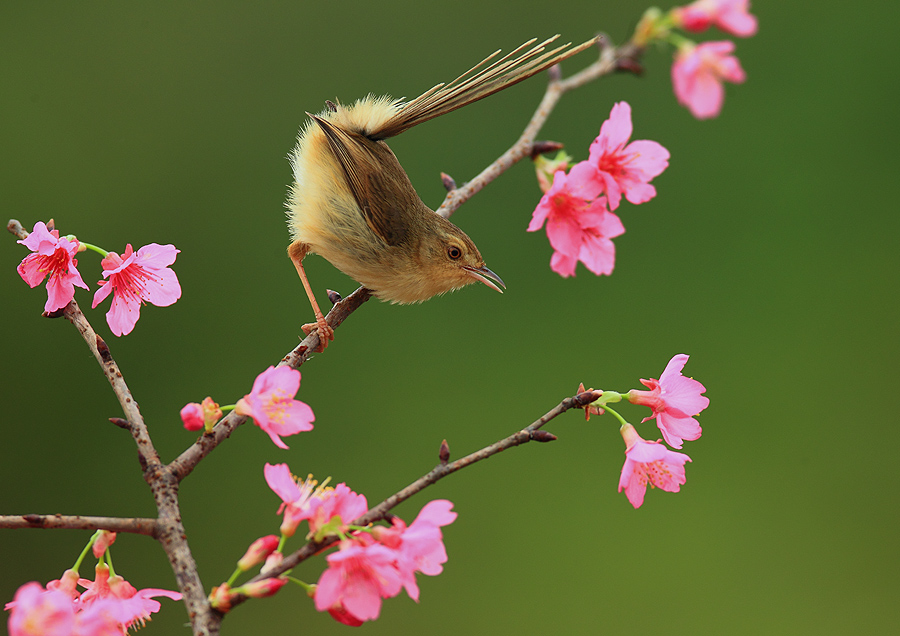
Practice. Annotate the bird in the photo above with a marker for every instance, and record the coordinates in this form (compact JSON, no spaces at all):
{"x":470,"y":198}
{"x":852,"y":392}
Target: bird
{"x":352,"y":202}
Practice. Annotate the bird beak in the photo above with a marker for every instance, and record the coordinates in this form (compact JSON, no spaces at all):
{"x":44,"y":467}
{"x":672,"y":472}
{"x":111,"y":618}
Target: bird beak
{"x":486,"y":276}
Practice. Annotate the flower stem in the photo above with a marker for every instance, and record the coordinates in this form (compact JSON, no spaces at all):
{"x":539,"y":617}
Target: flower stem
{"x":617,"y":416}
{"x":102,"y":252}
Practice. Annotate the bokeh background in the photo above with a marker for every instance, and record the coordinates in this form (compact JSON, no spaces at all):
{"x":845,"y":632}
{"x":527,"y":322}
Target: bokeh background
{"x":769,"y":255}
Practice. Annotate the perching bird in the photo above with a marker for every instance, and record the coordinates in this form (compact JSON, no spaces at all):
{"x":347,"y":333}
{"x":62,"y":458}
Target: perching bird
{"x":352,"y":203}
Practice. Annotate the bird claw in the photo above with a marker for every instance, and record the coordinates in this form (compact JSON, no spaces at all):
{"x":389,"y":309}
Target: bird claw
{"x":324,"y":331}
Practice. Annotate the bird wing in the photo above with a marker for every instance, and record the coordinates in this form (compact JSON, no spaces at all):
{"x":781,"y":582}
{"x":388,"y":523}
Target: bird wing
{"x":373,"y":176}
{"x":475,"y":84}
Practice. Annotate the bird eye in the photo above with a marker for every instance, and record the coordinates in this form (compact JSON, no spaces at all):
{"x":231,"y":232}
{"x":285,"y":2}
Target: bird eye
{"x":454,"y":252}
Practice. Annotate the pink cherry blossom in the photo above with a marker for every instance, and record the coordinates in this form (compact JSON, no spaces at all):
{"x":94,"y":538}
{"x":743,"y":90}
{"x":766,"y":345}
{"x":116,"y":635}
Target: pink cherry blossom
{"x":675,"y":401}
{"x":306,"y":500}
{"x":698,"y":73}
{"x":53,"y":257}
{"x":35,"y":610}
{"x":420,"y":547}
{"x":578,"y":224}
{"x":356,"y":580}
{"x":120,"y":599}
{"x":136,"y":278}
{"x":272,"y":406}
{"x":340,"y":503}
{"x":625,"y":169}
{"x":731,"y":16}
{"x":649,"y":462}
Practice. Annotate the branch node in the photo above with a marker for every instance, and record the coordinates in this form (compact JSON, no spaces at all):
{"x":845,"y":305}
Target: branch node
{"x":103,"y":349}
{"x":333,"y":296}
{"x":555,"y":73}
{"x":448,"y":182}
{"x":118,"y":421}
{"x":54,"y":314}
{"x":629,"y":65}
{"x":542,"y":436}
{"x":542,"y":147}
{"x":586,"y":397}
{"x":444,"y":454}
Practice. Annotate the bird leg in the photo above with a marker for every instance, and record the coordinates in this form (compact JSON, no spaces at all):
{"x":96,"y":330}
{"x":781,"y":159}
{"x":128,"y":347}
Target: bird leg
{"x":297,"y":251}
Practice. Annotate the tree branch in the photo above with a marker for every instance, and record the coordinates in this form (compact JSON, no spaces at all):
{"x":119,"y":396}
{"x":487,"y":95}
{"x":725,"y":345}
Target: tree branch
{"x":136,"y":525}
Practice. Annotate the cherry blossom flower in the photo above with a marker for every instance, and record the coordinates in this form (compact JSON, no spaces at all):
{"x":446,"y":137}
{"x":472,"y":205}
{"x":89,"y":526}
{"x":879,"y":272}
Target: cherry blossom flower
{"x":675,"y":401}
{"x":272,"y":406}
{"x":698,"y":73}
{"x":320,"y":505}
{"x":625,"y":169}
{"x":356,"y":580}
{"x":136,"y":278}
{"x":420,"y":547}
{"x":649,"y":462}
{"x":35,"y":610}
{"x":120,"y":599}
{"x":578,"y":224}
{"x":52,"y":257}
{"x":731,"y":16}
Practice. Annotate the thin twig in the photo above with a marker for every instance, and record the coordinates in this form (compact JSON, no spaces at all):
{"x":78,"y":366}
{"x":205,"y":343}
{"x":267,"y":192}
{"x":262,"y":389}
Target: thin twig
{"x":610,"y":61}
{"x":136,"y":525}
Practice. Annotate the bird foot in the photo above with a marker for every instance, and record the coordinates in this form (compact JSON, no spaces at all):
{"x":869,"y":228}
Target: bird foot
{"x":324,"y":330}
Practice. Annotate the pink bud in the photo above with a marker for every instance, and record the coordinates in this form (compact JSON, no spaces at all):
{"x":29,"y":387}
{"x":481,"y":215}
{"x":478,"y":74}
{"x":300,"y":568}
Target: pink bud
{"x":102,"y":542}
{"x":262,"y":589}
{"x":192,"y":416}
{"x":257,"y":552}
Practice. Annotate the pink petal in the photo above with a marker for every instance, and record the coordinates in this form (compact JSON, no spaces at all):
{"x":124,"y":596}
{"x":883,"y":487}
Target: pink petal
{"x":563,"y":264}
{"x":584,"y":181}
{"x":616,"y":131}
{"x":123,"y":313}
{"x":278,"y":477}
{"x":640,"y":193}
{"x":564,"y":234}
{"x":540,"y":214}
{"x":677,"y":429}
{"x":598,"y":254}
{"x":163,"y":289}
{"x":650,"y":160}
{"x":742,"y":25}
{"x":156,"y":256}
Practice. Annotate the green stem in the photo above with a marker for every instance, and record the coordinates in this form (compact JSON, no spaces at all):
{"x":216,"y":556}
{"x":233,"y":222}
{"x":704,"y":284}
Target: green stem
{"x":618,"y":417}
{"x":233,"y":577}
{"x":102,"y":252}
{"x":306,"y":586}
{"x":85,"y":551}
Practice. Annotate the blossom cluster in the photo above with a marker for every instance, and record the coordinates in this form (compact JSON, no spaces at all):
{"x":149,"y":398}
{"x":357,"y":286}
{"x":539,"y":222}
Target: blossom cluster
{"x":699,"y":70}
{"x":370,"y":564}
{"x":675,"y":400}
{"x":132,"y":278}
{"x":578,"y":206}
{"x":108,"y":606}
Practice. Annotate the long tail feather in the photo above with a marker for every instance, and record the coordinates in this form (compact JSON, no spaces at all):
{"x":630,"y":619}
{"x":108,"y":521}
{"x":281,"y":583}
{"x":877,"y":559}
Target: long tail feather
{"x":477,"y":84}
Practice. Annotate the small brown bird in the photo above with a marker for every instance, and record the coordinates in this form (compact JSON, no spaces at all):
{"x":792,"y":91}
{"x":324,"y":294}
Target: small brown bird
{"x":352,"y":203}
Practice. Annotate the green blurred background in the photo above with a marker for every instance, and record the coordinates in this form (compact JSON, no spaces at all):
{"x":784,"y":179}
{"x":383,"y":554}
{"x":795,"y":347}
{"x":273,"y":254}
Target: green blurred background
{"x":769,"y":255}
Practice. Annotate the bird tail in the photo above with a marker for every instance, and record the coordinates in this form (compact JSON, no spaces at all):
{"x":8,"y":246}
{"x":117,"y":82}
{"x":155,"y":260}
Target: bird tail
{"x":476,"y":83}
